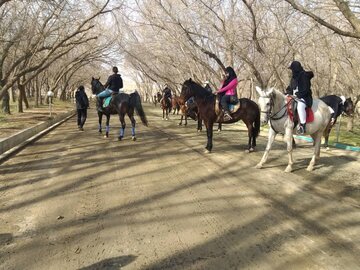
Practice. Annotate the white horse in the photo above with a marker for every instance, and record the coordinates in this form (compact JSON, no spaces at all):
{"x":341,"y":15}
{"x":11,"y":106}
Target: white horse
{"x":273,"y":110}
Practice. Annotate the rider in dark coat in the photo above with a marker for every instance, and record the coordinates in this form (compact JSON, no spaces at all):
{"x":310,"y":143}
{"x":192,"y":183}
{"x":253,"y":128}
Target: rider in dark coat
{"x":113,"y":85}
{"x":300,"y":86}
{"x":82,"y":104}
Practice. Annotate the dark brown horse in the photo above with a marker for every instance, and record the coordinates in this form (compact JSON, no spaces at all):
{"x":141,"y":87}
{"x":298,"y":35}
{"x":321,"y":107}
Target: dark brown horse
{"x":248,"y":112}
{"x":121,"y":104}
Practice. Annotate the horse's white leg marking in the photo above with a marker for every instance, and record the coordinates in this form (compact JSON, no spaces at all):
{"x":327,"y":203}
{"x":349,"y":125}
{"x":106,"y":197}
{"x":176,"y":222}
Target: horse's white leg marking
{"x":271,"y":139}
{"x":289,"y":138}
{"x":316,"y":154}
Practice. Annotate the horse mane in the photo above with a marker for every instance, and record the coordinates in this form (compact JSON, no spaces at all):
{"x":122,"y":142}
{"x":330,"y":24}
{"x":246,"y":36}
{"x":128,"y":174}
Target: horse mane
{"x":198,"y":89}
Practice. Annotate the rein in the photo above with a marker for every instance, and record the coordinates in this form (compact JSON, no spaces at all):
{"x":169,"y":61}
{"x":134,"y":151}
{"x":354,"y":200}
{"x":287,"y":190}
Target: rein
{"x":272,"y":116}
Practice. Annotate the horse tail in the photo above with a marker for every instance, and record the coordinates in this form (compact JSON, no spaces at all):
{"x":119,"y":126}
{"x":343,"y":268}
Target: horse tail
{"x":135,"y":101}
{"x":256,"y":130}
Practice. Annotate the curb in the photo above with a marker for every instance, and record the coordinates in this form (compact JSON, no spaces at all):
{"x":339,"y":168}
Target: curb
{"x":16,"y":142}
{"x":336,"y":145}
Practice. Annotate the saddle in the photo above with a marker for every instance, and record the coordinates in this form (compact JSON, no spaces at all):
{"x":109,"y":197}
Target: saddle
{"x":233,"y":107}
{"x":291,"y":106}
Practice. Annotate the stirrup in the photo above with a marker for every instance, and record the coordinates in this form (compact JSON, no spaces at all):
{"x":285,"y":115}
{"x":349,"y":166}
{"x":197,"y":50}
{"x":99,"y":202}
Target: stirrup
{"x":227,"y":116}
{"x":301,"y":129}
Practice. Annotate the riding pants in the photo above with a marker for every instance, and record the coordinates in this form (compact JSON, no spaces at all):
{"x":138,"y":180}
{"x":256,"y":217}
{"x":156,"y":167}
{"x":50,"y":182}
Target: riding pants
{"x":301,"y":108}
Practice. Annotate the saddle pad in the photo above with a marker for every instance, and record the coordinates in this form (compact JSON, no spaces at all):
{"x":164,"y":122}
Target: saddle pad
{"x":309,"y":115}
{"x":309,"y":111}
{"x":107,"y":101}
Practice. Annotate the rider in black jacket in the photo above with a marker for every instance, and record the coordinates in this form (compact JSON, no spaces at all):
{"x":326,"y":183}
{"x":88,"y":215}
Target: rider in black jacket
{"x":300,"y":86}
{"x":113,"y":85}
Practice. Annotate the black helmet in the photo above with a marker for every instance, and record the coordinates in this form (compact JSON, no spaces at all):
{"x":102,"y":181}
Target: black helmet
{"x":115,"y":70}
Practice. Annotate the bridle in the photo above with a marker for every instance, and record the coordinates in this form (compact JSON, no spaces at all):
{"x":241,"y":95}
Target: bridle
{"x":274,"y":116}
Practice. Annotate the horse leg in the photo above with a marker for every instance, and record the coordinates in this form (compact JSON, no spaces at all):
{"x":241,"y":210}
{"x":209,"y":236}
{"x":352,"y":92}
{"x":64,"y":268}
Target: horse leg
{"x":133,"y":123}
{"x":250,"y":132}
{"x":107,"y":126}
{"x":289,"y":146}
{"x":163,"y":114}
{"x":271,"y":138}
{"x":181,"y":119}
{"x":123,"y":125}
{"x":100,"y":120}
{"x":209,"y":132}
{"x":199,"y":125}
{"x":326,"y":135}
{"x":316,"y":156}
{"x":219,"y":127}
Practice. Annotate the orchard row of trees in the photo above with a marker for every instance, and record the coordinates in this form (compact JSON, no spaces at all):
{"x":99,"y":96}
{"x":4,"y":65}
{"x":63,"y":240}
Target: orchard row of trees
{"x":58,"y":44}
{"x":168,"y":41}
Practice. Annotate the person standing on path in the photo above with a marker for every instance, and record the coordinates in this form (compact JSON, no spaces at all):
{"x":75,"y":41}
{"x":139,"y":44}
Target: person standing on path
{"x":82,"y":104}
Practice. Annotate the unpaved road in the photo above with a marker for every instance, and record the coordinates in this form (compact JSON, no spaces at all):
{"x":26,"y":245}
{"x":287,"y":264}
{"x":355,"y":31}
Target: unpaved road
{"x":74,"y":200}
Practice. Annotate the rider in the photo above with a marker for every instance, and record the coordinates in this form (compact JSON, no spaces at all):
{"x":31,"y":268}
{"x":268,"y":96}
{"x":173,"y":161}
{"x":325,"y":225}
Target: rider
{"x":167,"y":92}
{"x":300,"y":86}
{"x":228,"y":91}
{"x":113,"y":85}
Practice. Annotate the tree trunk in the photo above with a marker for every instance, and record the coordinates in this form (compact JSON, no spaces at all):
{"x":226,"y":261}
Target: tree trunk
{"x":6,"y":103}
{"x":350,"y":124}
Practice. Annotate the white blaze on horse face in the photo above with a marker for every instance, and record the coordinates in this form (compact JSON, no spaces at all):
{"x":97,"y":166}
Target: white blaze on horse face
{"x":264,"y":104}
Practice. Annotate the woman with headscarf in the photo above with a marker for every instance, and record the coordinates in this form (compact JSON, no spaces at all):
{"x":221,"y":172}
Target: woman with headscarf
{"x":228,"y":91}
{"x":300,"y":86}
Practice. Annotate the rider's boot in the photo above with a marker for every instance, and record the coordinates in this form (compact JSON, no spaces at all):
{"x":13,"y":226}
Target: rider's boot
{"x":301,"y":129}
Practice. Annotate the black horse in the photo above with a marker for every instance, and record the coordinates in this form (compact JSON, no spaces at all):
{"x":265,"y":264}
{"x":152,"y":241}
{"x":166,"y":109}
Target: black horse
{"x":248,"y":112}
{"x":334,"y":102}
{"x":120,"y":104}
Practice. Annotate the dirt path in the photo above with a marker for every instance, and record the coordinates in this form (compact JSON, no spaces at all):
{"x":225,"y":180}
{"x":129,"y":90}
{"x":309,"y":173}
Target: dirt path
{"x":74,"y":200}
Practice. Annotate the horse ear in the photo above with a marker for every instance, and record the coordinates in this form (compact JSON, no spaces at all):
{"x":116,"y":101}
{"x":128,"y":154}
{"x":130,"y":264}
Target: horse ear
{"x":270,"y":91}
{"x":258,"y":89}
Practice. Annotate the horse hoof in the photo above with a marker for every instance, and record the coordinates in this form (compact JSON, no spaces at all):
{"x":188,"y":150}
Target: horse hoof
{"x":207,"y":151}
{"x":288,"y":169}
{"x":327,"y":148}
{"x":219,"y":130}
{"x":258,"y":166}
{"x":179,"y":124}
{"x":310,"y":168}
{"x":133,"y":138}
{"x":199,"y":130}
{"x":106,"y":136}
{"x":247,"y":151}
{"x":120,"y":138}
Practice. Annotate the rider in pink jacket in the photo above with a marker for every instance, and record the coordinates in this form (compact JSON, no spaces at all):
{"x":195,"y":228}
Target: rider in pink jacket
{"x":228,"y":91}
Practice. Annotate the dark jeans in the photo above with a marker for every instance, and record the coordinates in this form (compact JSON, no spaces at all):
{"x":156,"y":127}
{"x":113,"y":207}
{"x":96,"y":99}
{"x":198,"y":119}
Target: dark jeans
{"x":225,"y":100}
{"x":81,"y":117}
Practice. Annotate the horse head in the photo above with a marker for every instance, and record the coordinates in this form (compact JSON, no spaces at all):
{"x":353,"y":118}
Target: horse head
{"x":349,"y":107}
{"x":191,"y":89}
{"x":265,"y":103}
{"x":96,"y":86}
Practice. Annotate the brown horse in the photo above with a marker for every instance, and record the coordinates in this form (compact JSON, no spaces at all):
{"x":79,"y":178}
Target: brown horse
{"x":175,"y":103}
{"x":248,"y":112}
{"x":165,"y":104}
